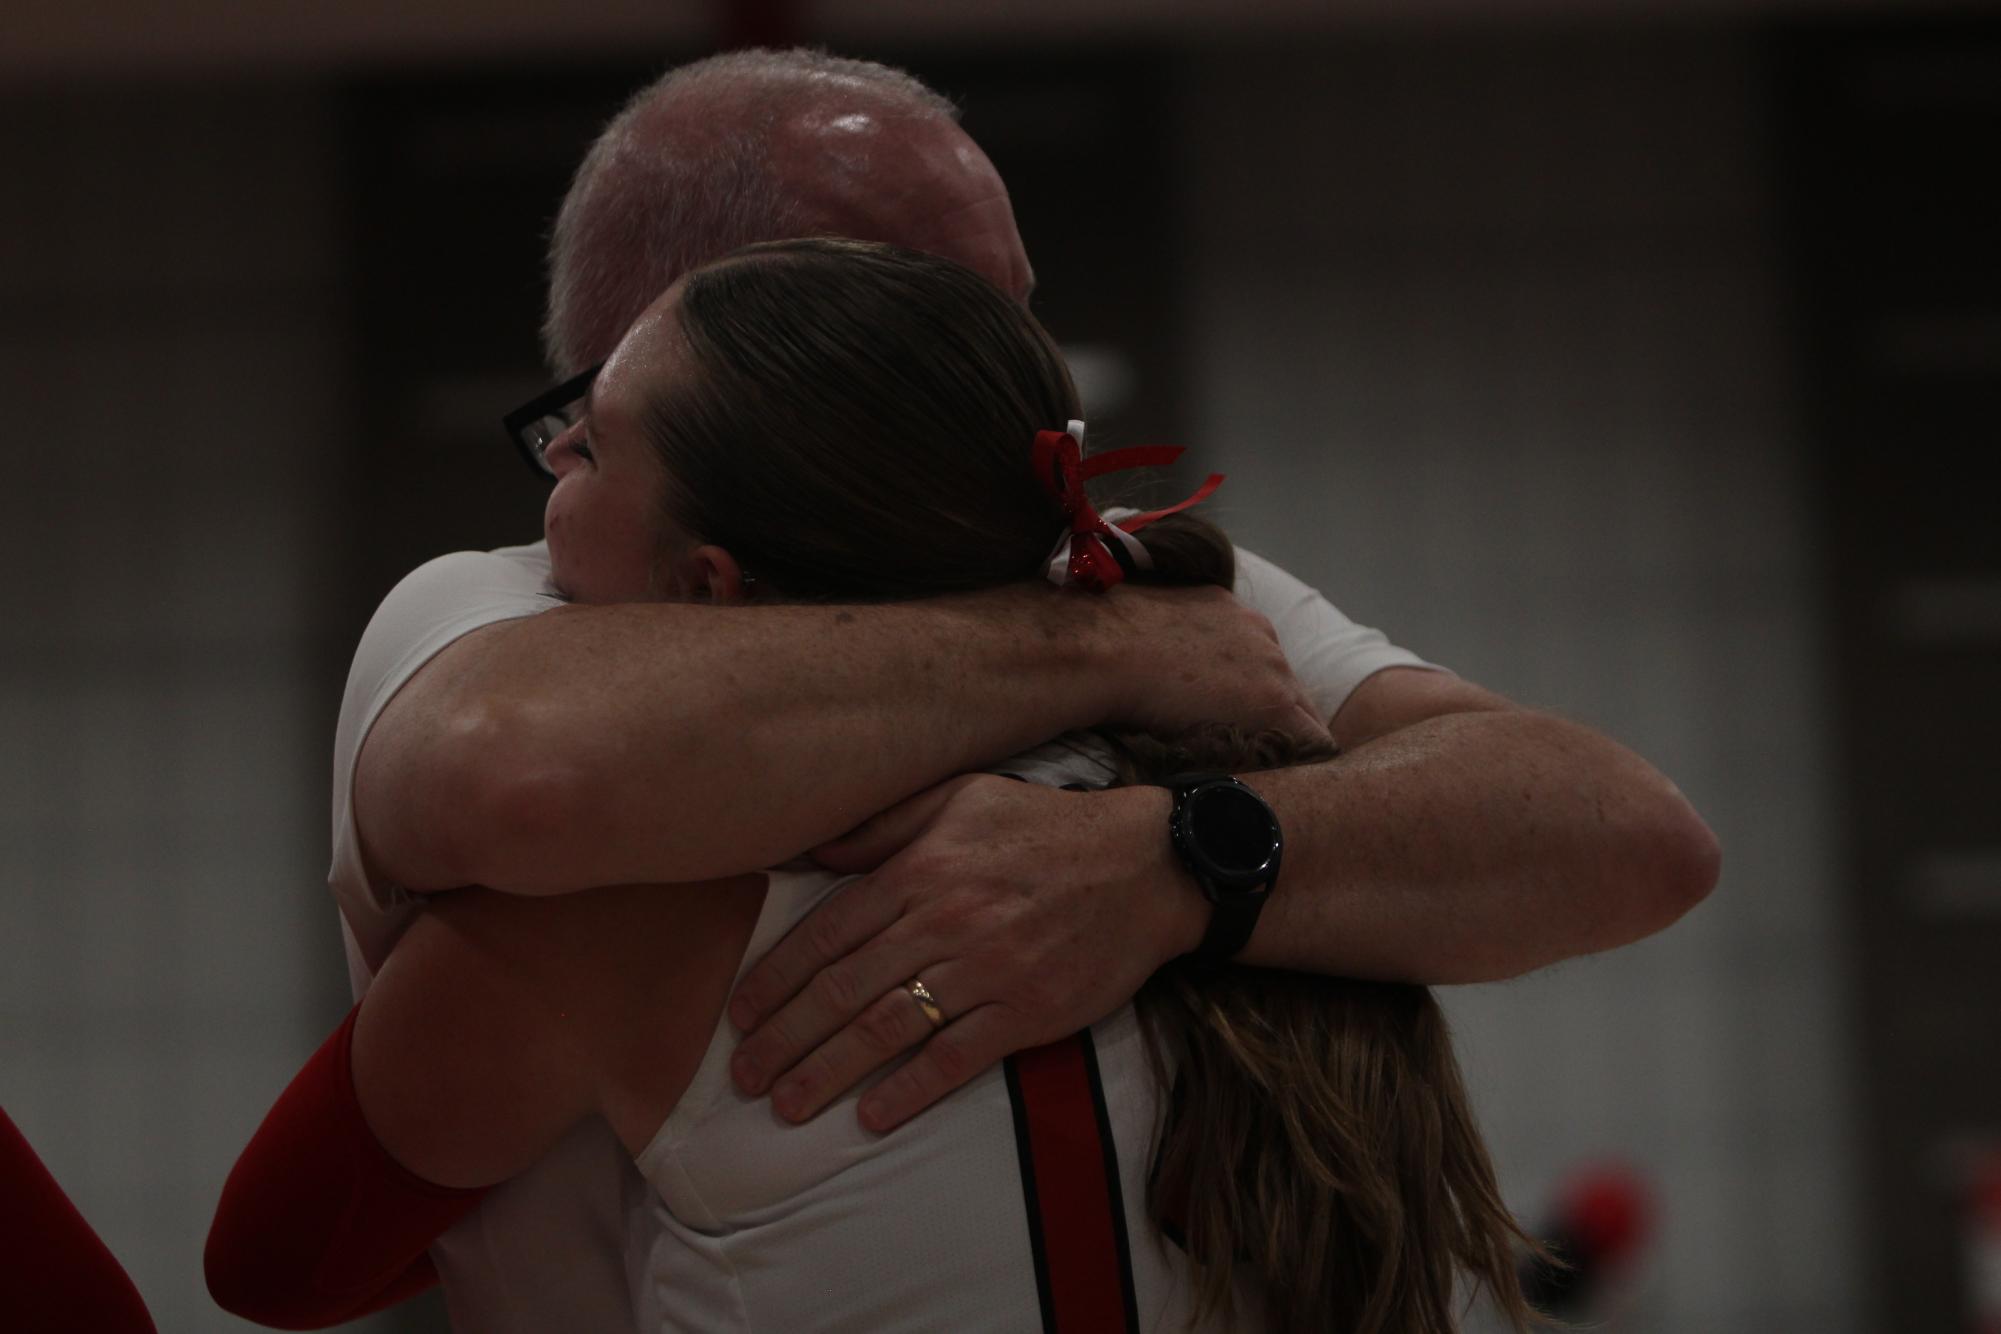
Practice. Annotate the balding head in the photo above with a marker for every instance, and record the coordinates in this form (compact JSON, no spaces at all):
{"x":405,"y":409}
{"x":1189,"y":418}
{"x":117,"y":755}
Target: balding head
{"x":765,"y":146}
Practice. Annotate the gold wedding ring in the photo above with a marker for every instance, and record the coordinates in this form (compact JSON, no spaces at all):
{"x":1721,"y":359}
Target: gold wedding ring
{"x":925,"y":1002}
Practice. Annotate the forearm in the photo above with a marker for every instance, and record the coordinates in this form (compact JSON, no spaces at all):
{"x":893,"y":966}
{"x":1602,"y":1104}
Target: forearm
{"x":611,"y":745}
{"x":317,"y":1224}
{"x":1464,"y":848}
{"x":456,"y":1072}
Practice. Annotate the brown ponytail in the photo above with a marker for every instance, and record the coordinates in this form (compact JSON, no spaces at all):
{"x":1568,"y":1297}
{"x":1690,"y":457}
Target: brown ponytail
{"x":857,"y":426}
{"x":1319,"y":1139}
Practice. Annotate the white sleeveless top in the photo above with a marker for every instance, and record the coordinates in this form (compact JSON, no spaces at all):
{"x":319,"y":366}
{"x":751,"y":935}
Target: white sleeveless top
{"x":1016,"y":1203}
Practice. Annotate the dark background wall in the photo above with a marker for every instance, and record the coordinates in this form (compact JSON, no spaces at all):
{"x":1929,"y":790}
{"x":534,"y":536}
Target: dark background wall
{"x":1638,"y":369}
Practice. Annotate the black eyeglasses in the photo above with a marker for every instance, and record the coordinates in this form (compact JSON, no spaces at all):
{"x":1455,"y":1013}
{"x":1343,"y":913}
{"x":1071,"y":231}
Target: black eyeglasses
{"x":534,"y":426}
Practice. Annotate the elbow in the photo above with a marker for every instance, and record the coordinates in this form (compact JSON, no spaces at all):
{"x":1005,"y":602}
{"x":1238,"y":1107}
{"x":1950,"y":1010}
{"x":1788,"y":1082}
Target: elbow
{"x":483,"y":805}
{"x":249,"y":1284}
{"x":520,"y":832}
{"x":227,"y":1288}
{"x":220,"y":1276}
{"x":518,"y":800}
{"x":1683,"y":862}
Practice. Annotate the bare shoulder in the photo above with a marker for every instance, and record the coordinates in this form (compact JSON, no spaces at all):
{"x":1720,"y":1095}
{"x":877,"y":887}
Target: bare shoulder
{"x":550,"y":1008}
{"x":634,"y":977}
{"x":599,"y":948}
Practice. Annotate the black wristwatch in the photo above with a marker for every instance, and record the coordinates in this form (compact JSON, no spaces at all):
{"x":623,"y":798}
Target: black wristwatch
{"x":1230,"y":841}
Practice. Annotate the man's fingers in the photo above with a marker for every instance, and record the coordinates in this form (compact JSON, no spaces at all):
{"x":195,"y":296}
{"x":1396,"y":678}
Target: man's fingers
{"x":894,"y":1024}
{"x":976,"y":1042}
{"x":883,"y":835}
{"x":1311,"y":726}
{"x":836,"y":995}
{"x":829,"y":933}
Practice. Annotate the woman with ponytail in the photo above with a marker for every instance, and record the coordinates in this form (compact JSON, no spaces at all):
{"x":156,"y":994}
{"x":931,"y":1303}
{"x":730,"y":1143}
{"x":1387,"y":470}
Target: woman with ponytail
{"x":843,"y":422}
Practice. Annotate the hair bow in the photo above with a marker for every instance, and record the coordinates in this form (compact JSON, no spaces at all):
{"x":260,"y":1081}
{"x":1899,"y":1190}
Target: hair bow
{"x":1082,"y":555}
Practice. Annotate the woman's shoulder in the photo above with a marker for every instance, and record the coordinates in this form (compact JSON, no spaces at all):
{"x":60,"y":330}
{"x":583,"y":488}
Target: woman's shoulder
{"x":636,"y":976}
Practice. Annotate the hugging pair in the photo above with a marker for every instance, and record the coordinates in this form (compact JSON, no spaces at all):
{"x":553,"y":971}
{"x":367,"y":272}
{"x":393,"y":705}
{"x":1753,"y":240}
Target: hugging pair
{"x":840,"y":422}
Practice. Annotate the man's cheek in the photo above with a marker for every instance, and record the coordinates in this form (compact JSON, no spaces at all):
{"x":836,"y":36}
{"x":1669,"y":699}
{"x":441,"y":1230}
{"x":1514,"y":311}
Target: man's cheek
{"x":556,"y":532}
{"x":556,"y":520}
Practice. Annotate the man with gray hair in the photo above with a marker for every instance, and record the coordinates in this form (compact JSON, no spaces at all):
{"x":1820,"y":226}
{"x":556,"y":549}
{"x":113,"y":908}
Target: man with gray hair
{"x":764,"y":146}
{"x":491,"y":735}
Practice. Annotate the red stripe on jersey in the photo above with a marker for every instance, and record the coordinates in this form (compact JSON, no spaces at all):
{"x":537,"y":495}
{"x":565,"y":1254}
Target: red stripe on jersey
{"x":1070,"y":1180}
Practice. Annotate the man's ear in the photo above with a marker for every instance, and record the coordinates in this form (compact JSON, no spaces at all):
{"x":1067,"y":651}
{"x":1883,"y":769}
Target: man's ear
{"x":709,"y":574}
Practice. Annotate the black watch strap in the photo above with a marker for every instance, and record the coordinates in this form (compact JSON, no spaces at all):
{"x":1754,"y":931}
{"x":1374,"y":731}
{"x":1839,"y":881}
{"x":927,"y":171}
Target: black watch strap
{"x":1231,"y":922}
{"x":1235,"y":876}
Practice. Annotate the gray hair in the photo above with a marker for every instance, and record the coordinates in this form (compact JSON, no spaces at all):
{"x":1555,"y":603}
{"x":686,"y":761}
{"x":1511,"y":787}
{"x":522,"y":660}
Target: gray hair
{"x":647,"y":206}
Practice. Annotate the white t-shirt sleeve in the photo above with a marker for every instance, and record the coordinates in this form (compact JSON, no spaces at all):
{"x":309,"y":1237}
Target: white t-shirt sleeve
{"x":544,"y":1250}
{"x":434,"y":605}
{"x":1329,"y":653}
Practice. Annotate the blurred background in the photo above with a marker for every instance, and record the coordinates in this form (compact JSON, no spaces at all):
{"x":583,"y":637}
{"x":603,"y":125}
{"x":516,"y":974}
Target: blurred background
{"x":1635,"y":361}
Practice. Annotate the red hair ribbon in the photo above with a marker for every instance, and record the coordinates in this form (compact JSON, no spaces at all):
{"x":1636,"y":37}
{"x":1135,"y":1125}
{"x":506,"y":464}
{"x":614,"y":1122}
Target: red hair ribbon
{"x":1060,"y":465}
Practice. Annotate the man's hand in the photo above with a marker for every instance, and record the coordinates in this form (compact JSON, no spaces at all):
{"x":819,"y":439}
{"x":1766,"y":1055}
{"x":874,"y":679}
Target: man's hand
{"x":1197,"y":656}
{"x":1015,"y":904}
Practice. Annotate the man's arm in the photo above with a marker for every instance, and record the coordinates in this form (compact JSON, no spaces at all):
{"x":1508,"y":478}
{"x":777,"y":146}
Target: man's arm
{"x":671,"y":742}
{"x":1460,"y":838}
{"x":1457,"y":839}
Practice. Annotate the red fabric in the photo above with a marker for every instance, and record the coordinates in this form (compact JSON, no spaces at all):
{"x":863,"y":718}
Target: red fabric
{"x":1608,"y":1212}
{"x":56,"y":1277}
{"x":1077,"y":1216}
{"x":1061,"y":467}
{"x":318,"y":1225}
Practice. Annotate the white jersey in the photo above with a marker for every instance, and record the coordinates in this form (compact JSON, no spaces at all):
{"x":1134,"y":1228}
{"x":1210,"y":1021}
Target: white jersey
{"x":1018,"y":1202}
{"x":543,"y":1250}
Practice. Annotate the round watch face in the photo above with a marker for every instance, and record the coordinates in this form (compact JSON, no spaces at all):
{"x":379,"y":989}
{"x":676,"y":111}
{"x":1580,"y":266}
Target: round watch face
{"x":1232,"y":829}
